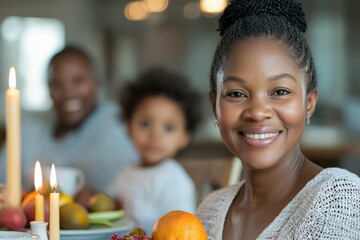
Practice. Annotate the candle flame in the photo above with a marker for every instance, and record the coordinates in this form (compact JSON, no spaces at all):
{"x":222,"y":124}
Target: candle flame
{"x":53,"y":182}
{"x":38,"y":181}
{"x":12,"y":78}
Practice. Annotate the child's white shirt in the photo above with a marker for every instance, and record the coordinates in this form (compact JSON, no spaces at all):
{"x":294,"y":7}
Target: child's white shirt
{"x":147,"y":193}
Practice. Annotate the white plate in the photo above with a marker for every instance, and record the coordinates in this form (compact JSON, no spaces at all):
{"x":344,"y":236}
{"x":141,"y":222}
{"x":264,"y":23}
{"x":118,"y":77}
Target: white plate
{"x":121,"y":227}
{"x":12,"y":235}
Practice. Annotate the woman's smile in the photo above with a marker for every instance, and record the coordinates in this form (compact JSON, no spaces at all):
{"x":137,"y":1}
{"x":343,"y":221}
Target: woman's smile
{"x":260,"y":138}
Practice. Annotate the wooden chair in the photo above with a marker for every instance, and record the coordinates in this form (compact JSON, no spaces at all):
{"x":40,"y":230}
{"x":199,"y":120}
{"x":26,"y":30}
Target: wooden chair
{"x":236,"y":169}
{"x":210,"y":174}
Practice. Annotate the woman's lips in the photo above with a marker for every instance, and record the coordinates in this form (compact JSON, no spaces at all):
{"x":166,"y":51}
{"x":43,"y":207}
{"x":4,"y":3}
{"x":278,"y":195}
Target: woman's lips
{"x":260,"y":140}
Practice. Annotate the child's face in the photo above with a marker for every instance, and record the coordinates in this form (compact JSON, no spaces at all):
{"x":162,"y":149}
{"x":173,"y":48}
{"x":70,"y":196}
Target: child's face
{"x":158,"y":129}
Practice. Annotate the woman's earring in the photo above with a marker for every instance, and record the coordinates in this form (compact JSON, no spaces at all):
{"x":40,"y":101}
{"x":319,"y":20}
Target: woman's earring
{"x":216,"y":124}
{"x":307,"y":119}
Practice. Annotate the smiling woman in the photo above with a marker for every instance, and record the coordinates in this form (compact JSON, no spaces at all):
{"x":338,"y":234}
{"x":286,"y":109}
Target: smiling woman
{"x":263,"y":93}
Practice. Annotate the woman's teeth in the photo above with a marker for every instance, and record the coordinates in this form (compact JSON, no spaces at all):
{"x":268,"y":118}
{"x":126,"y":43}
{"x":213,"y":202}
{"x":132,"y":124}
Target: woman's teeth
{"x":261,"y":136}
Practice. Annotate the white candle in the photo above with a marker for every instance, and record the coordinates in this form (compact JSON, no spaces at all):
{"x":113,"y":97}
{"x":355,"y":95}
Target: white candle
{"x":13,"y":148}
{"x":39,"y":199}
{"x":54,"y":207}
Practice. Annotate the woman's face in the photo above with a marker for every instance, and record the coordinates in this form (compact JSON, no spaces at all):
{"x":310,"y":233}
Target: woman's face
{"x":261,"y":103}
{"x":72,"y":88}
{"x":158,"y":129}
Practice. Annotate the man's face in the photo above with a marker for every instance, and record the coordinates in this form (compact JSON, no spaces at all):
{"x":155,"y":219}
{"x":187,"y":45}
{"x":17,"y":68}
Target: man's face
{"x":72,"y":86}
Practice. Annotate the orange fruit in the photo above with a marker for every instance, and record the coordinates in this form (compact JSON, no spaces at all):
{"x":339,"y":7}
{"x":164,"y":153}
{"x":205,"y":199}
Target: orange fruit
{"x":64,"y":199}
{"x":28,"y":197}
{"x":178,"y":225}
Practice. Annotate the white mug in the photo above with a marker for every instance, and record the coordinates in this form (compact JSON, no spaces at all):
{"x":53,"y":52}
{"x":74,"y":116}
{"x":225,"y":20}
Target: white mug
{"x":70,"y":180}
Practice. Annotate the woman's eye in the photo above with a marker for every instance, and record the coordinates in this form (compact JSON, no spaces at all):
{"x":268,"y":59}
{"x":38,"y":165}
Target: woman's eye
{"x":236,"y":94}
{"x":281,"y":92}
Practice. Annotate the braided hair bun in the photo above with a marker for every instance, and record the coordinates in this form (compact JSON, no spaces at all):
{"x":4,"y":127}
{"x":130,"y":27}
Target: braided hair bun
{"x":291,"y":10}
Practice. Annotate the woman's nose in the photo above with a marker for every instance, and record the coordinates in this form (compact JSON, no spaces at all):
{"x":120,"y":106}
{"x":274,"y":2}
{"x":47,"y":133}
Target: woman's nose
{"x":258,"y":109}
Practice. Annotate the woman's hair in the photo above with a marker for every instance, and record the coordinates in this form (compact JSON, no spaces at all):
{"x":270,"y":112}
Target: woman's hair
{"x":282,"y":20}
{"x":159,"y":82}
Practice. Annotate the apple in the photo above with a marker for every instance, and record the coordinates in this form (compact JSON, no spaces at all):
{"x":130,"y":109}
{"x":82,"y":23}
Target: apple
{"x":29,"y":209}
{"x":12,"y":218}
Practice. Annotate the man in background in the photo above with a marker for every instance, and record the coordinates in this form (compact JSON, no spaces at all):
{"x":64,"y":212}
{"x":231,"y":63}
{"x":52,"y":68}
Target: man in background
{"x":80,"y":132}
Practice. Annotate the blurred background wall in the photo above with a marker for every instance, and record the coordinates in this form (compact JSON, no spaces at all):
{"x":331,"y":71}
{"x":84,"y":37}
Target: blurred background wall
{"x":181,"y":38}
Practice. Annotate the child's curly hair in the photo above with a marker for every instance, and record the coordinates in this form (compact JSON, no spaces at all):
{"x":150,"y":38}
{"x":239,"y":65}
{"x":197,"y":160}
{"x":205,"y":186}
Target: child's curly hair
{"x":158,"y":81}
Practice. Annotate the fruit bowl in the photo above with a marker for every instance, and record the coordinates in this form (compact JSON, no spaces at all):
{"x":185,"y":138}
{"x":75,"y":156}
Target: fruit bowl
{"x":12,"y":235}
{"x":121,"y":226}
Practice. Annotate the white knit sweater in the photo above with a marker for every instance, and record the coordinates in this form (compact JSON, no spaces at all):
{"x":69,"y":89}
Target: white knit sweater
{"x":328,"y":207}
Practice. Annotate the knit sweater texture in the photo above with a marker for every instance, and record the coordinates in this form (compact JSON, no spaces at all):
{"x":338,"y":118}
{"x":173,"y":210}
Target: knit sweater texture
{"x":328,"y":207}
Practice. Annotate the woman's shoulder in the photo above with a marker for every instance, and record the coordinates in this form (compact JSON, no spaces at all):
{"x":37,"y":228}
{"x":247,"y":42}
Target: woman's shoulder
{"x":219,"y":199}
{"x":213,"y":209}
{"x":337,"y":180}
{"x":327,"y":206}
{"x":330,"y":186}
{"x":335,"y":206}
{"x":336,"y":195}
{"x":339,"y":172}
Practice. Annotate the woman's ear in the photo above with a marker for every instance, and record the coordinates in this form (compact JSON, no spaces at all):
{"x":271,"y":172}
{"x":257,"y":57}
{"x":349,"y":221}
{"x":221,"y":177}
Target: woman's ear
{"x":213,"y":102}
{"x":311,"y":100}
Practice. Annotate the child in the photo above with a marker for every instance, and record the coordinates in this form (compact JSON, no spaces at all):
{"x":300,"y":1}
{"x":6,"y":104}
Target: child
{"x":161,"y":112}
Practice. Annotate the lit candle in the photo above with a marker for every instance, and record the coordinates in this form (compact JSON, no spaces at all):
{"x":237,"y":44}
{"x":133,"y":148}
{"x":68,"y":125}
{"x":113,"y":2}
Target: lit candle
{"x":39,"y":199}
{"x":54,"y":207}
{"x":13,"y":171}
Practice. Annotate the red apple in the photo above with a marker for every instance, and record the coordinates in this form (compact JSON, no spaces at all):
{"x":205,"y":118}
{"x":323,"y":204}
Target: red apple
{"x":29,"y":209}
{"x":12,"y":218}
